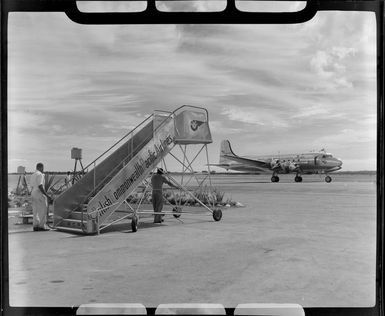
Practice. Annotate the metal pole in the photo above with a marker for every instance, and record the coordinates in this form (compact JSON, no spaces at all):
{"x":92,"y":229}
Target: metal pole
{"x":97,"y":219}
{"x":190,"y":163}
{"x":184,"y":169}
{"x":191,"y":168}
{"x":132,"y":147}
{"x":192,"y":195}
{"x":74,"y":174}
{"x":94,"y":176}
{"x":208,"y":167}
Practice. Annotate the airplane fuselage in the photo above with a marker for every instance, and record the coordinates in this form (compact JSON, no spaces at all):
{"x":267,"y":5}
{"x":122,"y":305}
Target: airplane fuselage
{"x":305,"y":163}
{"x":308,"y":163}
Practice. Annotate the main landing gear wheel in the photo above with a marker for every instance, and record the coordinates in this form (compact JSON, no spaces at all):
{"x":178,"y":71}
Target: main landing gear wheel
{"x":328,"y":179}
{"x":274,"y":179}
{"x":298,"y":179}
{"x":217,"y":215}
{"x":134,"y":223}
{"x":177,"y":210}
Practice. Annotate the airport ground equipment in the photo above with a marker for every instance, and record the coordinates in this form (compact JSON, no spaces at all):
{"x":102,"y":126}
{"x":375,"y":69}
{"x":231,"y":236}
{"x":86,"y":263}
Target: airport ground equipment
{"x":22,"y":185}
{"x":87,"y":206}
{"x":76,"y":154}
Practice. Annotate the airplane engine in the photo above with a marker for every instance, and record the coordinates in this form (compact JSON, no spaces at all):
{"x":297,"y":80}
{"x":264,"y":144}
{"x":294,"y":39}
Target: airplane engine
{"x":285,"y":167}
{"x":293,"y":166}
{"x":275,"y":164}
{"x":289,"y":166}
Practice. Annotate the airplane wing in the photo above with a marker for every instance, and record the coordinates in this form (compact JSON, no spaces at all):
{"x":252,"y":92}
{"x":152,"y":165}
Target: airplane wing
{"x":238,"y":167}
{"x":250,"y":162}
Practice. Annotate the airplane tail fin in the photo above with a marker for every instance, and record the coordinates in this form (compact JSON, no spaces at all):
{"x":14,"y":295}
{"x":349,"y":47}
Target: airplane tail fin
{"x":225,"y":151}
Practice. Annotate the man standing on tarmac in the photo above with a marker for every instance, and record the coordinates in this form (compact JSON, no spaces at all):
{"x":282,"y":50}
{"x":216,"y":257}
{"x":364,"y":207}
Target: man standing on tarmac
{"x":40,"y":199}
{"x":157,"y":181}
{"x":67,"y":180}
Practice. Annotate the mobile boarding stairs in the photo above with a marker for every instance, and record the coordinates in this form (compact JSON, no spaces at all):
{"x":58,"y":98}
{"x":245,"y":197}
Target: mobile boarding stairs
{"x":88,"y":206}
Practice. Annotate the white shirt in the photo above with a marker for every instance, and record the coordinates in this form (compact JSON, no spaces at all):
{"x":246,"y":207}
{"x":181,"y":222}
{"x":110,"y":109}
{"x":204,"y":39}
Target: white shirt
{"x":37,"y":179}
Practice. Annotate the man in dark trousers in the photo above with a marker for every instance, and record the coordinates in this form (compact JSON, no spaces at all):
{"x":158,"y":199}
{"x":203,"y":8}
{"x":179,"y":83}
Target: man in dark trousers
{"x":157,"y":181}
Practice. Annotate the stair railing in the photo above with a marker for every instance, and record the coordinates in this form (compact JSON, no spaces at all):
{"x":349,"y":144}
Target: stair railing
{"x":94,"y":164}
{"x":114,"y":171}
{"x":123,"y":163}
{"x":169,"y":115}
{"x":118,"y":167}
{"x":130,"y":133}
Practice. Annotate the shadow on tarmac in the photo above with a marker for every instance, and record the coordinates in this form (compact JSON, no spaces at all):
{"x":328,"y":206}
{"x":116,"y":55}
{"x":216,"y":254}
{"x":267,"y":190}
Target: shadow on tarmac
{"x":23,"y":232}
{"x":246,"y":182}
{"x":124,"y":227}
{"x":242,"y":182}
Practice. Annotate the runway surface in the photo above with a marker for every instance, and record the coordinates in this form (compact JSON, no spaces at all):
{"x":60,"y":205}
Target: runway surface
{"x":310,"y":243}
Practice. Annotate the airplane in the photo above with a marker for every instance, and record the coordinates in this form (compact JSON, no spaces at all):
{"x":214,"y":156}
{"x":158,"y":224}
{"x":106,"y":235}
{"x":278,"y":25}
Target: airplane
{"x":306,"y":163}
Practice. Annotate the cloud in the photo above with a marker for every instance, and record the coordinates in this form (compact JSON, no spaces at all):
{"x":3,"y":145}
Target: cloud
{"x":311,"y":111}
{"x":330,"y":66}
{"x":350,"y":143}
{"x":221,"y":128}
{"x":191,"y":6}
{"x":266,"y":6}
{"x":254,"y":116}
{"x":288,"y":84}
{"x":111,"y":6}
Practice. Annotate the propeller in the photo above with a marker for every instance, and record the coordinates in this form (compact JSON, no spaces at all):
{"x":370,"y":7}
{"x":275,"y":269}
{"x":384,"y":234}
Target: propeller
{"x":287,"y":166}
{"x":275,"y":164}
{"x":293,"y":166}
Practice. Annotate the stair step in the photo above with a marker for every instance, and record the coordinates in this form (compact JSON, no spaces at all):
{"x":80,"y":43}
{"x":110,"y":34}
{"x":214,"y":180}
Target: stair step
{"x":72,"y":223}
{"x":69,"y":229}
{"x":78,"y":215}
{"x":81,"y":207}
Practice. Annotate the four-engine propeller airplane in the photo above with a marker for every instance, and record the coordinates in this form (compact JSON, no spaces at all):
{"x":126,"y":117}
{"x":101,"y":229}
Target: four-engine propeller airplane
{"x":306,"y":163}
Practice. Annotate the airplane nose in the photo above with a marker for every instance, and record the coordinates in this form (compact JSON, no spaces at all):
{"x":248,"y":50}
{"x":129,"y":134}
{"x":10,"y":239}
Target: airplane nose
{"x":339,"y":162}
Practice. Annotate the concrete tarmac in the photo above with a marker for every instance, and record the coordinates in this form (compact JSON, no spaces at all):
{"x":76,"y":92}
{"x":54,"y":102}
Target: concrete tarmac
{"x":310,"y":243}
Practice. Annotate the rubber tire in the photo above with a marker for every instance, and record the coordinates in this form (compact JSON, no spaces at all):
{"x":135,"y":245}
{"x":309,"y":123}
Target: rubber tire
{"x":298,"y":179}
{"x":274,"y":179}
{"x":217,"y":215}
{"x":328,"y":179}
{"x":176,"y":210}
{"x":134,"y":224}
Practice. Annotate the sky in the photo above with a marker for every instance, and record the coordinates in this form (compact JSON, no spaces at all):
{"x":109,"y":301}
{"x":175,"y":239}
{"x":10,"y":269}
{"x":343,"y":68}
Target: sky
{"x":268,"y":88}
